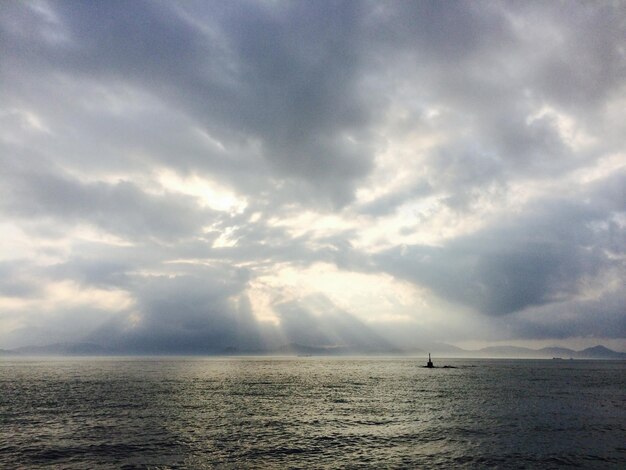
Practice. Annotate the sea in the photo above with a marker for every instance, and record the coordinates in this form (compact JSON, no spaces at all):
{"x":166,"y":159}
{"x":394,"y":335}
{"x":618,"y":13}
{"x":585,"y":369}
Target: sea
{"x":310,"y":412}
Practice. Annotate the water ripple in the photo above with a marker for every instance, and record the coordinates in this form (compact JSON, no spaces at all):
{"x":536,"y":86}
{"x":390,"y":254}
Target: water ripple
{"x":320,"y":413}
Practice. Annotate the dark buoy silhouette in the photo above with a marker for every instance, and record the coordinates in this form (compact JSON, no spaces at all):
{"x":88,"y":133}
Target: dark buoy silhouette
{"x":429,"y":364}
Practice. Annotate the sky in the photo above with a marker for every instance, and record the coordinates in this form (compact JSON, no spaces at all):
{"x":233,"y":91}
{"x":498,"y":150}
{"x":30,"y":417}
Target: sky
{"x":195,"y":176}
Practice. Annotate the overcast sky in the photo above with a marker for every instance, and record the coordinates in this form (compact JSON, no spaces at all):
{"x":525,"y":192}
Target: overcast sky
{"x":190,"y":176}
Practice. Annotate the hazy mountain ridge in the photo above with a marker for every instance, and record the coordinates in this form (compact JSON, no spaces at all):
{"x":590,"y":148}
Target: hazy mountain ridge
{"x":440,"y":349}
{"x":595,"y":352}
{"x":63,"y":349}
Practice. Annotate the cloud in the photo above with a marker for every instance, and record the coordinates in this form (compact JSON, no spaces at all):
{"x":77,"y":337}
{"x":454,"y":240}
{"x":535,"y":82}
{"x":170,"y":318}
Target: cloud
{"x":538,"y":258}
{"x":120,"y":208}
{"x":280,"y":83}
{"x":187,"y":313}
{"x":597,"y":317}
{"x":15,"y":282}
{"x":177,"y":156}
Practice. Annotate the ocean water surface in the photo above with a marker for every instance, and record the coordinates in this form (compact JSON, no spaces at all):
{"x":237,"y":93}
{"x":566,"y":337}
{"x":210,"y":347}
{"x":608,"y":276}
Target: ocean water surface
{"x":310,"y":413}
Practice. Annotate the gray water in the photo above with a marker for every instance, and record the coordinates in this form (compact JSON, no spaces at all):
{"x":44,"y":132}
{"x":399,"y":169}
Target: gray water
{"x":311,"y":413}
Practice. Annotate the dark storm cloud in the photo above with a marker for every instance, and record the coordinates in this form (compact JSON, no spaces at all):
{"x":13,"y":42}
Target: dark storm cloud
{"x":98,"y":272}
{"x":69,"y":324}
{"x":489,"y":68}
{"x":600,"y":318}
{"x":587,"y":69}
{"x":286,"y":82}
{"x":15,"y":281}
{"x":386,"y":204}
{"x":535,"y":259}
{"x":199,"y":312}
{"x":441,"y":33}
{"x":120,"y":208}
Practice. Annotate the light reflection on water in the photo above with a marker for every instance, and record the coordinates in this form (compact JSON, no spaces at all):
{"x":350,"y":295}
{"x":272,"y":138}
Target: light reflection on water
{"x":310,"y":412}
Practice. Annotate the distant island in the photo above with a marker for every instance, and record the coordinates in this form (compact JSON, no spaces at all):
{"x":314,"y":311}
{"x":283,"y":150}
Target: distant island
{"x":294,"y":349}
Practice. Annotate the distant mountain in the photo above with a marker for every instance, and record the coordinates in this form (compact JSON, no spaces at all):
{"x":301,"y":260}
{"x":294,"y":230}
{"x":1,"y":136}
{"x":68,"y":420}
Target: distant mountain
{"x":564,"y":353}
{"x":439,"y":349}
{"x":65,"y":349}
{"x":448,"y":348}
{"x":600,"y":352}
{"x":597,"y":352}
{"x":505,"y":351}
